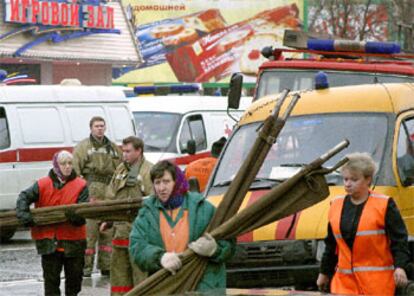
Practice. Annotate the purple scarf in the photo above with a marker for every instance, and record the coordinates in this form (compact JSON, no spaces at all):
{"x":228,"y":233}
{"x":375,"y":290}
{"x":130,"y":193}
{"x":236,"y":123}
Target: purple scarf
{"x":56,"y":168}
{"x":180,"y":189}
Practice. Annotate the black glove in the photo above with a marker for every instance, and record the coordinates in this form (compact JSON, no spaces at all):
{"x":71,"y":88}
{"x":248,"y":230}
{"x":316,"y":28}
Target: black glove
{"x":73,"y":218}
{"x":28,"y":221}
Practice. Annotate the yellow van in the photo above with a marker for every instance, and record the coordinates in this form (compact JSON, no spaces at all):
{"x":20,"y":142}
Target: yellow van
{"x":378,"y":119}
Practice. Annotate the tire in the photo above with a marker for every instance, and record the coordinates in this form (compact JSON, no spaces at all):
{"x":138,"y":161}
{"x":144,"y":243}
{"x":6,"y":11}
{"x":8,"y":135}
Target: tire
{"x":6,"y":234}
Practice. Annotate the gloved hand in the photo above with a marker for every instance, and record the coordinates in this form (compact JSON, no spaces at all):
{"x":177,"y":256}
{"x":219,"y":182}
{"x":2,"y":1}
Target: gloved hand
{"x":73,"y":218}
{"x":27,"y":221}
{"x":204,"y":246}
{"x":171,"y":262}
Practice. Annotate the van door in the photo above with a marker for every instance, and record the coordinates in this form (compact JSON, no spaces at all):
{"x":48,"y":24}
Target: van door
{"x":79,"y":117}
{"x":405,"y":168}
{"x":8,"y":158}
{"x":42,"y":134}
{"x":192,"y":128}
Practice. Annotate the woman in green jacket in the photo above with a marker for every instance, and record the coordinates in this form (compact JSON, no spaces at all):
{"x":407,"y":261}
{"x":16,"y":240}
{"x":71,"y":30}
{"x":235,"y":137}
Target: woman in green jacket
{"x":173,"y":220}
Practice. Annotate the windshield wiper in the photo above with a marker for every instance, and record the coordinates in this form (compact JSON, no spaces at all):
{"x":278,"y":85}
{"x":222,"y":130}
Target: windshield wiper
{"x":267,"y":180}
{"x":222,"y":184}
{"x":293,"y":165}
{"x":152,"y":148}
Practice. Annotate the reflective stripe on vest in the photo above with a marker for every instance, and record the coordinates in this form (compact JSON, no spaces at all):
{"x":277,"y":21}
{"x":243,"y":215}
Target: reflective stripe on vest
{"x":365,"y":268}
{"x":362,"y":233}
{"x":51,"y":196}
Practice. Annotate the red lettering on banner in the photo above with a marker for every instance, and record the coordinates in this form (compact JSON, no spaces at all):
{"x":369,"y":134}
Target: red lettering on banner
{"x":45,"y":13}
{"x":55,"y":13}
{"x":14,"y":10}
{"x":91,"y":16}
{"x":64,"y":14}
{"x":100,"y":19}
{"x":74,"y":15}
{"x":35,"y":11}
{"x":110,"y":18}
{"x":25,"y":4}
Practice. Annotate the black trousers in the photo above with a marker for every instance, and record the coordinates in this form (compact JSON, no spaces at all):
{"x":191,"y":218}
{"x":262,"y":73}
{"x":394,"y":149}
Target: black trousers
{"x":52,"y":265}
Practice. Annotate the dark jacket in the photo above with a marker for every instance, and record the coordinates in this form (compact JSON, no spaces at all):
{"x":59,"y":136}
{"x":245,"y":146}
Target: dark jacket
{"x":48,"y":246}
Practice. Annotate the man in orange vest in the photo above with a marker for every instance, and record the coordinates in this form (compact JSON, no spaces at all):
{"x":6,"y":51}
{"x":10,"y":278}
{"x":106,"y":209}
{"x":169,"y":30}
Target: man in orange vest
{"x":367,"y":244}
{"x":61,"y":245}
{"x":201,"y":169}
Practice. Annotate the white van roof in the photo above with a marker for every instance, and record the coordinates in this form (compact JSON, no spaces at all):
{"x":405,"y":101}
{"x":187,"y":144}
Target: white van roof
{"x":60,"y":93}
{"x":183,"y":104}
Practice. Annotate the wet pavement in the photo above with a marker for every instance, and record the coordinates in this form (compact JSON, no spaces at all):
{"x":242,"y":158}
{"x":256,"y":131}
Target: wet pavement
{"x":21,"y":272}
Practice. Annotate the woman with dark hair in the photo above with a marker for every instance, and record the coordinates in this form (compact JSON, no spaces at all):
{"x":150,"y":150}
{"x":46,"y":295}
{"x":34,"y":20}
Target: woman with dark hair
{"x":172,"y":220}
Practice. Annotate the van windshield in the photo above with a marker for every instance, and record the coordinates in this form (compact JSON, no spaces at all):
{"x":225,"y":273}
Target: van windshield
{"x":272,"y":81}
{"x":158,"y":130}
{"x":303,"y":139}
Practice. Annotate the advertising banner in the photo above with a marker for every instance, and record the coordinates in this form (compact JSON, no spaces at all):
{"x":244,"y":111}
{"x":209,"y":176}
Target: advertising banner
{"x":205,"y":40}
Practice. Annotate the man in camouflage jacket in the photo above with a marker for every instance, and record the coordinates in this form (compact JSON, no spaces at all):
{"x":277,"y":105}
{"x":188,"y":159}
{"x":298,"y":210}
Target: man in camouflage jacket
{"x":95,"y":159}
{"x":131,"y":179}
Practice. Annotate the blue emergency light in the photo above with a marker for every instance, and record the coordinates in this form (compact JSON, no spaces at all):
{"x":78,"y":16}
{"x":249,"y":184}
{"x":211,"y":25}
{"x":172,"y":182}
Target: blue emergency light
{"x":166,"y":89}
{"x":353,"y":46}
{"x":3,"y":75}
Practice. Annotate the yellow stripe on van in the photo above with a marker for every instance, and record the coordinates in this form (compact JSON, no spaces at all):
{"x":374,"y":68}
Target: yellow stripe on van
{"x":266,"y":232}
{"x":313,"y":222}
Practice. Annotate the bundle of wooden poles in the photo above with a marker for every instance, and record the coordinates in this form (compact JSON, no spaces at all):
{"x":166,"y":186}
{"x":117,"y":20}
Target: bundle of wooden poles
{"x":112,"y":210}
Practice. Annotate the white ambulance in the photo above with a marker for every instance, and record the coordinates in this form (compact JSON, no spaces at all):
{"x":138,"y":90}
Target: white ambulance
{"x":38,"y":120}
{"x":183,"y":128}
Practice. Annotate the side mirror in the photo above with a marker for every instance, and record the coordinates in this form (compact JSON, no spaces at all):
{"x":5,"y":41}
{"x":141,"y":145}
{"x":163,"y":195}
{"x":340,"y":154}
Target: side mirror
{"x":191,"y":147}
{"x":236,"y":83}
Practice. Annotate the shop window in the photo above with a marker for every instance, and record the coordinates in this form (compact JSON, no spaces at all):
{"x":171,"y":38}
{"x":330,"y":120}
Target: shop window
{"x":4,"y":130}
{"x":405,"y":152}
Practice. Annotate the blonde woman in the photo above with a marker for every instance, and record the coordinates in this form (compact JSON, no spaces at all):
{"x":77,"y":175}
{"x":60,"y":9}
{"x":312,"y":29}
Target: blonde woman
{"x":62,"y":246}
{"x":367,"y":244}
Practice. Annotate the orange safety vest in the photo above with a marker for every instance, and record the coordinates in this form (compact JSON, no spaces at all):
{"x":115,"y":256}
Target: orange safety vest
{"x":175,"y":238}
{"x":368,"y":268}
{"x":51,"y":196}
{"x":201,"y":169}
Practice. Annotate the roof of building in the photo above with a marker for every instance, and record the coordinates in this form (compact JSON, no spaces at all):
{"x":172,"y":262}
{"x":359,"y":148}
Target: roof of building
{"x":117,"y":49}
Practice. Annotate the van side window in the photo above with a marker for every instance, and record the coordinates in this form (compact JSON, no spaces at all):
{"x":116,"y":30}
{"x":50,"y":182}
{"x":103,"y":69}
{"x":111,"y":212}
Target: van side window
{"x":193,"y":128}
{"x":4,"y":130}
{"x":79,"y":117}
{"x":121,"y":128}
{"x":405,"y":152}
{"x":41,"y":125}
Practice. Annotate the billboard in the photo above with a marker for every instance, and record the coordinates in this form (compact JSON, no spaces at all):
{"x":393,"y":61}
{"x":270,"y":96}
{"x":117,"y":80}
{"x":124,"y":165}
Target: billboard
{"x":205,"y":40}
